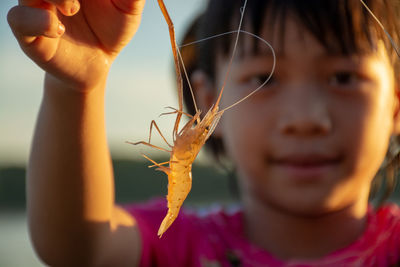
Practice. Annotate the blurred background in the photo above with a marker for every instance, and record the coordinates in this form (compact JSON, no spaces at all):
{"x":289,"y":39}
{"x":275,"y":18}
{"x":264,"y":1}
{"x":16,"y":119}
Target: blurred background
{"x":140,"y":85}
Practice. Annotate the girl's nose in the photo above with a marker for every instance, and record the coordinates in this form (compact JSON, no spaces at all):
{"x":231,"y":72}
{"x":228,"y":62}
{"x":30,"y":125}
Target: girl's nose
{"x":305,"y":112}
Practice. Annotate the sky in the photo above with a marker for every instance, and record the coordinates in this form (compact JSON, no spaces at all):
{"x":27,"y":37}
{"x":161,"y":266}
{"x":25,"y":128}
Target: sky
{"x":140,"y":85}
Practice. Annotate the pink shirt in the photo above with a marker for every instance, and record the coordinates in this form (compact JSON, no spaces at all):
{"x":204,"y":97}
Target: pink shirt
{"x":215,"y":238}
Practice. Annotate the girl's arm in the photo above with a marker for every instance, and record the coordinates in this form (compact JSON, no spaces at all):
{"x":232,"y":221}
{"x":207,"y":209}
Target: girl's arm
{"x":72,"y":215}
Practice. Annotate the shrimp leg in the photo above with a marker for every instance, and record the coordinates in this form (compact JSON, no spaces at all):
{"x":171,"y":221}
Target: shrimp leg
{"x":150,"y":145}
{"x":161,"y":168}
{"x":153,"y":122}
{"x":158,"y":164}
{"x":162,"y":163}
{"x":176,"y":111}
{"x":175,"y":50}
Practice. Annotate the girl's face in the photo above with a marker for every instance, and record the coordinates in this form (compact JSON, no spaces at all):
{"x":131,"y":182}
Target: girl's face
{"x":313,"y":138}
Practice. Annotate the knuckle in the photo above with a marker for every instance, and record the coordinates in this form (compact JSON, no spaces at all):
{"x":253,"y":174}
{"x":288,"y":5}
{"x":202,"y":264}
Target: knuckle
{"x":12,"y":16}
{"x":48,"y":22}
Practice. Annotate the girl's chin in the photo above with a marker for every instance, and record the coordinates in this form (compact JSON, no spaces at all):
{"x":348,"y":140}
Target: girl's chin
{"x":301,"y":203}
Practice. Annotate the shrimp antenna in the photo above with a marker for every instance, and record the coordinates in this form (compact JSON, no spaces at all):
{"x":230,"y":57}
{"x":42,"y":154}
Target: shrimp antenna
{"x":242,"y":9}
{"x":231,"y":32}
{"x":176,"y":64}
{"x":266,"y":80}
{"x":188,"y":81}
{"x":395,"y":47}
{"x":238,"y":31}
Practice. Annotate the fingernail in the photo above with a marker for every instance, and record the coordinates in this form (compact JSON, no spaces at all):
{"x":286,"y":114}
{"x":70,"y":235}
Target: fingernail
{"x":75,"y":7}
{"x":61,"y":28}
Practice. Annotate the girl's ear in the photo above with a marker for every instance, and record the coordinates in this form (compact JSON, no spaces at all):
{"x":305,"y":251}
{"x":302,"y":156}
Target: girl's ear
{"x":204,"y":91}
{"x":396,"y":124}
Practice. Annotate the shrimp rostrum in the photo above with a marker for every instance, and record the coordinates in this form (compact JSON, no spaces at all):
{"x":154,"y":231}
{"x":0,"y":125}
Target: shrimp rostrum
{"x":188,"y":141}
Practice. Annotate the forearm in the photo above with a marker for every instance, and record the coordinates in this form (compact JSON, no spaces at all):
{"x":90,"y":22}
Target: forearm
{"x":70,"y":181}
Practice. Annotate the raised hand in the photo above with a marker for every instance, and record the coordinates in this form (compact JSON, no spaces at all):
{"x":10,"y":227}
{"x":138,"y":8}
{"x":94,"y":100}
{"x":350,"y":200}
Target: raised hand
{"x":75,"y":41}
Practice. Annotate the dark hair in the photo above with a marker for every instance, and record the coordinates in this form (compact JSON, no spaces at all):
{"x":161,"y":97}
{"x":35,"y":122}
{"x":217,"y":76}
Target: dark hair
{"x":341,"y":26}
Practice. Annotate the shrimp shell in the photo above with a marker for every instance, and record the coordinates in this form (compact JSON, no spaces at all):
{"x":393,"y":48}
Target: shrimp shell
{"x":186,"y":147}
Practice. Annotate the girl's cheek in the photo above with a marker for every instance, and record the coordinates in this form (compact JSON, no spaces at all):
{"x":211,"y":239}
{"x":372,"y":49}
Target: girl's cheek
{"x":242,"y":132}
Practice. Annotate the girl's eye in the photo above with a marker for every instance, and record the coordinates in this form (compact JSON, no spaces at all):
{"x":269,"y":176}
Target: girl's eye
{"x":258,"y":80}
{"x":344,"y":79}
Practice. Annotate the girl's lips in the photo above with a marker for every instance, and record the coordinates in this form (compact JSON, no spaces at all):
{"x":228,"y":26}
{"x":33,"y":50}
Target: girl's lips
{"x":305,"y":167}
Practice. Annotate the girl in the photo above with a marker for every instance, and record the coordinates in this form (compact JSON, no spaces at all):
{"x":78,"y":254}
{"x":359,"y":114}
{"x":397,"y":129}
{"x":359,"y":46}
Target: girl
{"x":305,"y":148}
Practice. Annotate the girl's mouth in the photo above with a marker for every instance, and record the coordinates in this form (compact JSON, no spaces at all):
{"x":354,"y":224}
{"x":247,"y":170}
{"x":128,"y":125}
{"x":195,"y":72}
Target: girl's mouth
{"x":305,"y":167}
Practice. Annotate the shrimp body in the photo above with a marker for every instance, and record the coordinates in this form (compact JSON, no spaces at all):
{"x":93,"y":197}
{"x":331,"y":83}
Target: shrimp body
{"x":186,"y":147}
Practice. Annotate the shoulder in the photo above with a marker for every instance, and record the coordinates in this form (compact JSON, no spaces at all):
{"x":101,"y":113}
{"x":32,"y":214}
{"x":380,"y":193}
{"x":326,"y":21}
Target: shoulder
{"x":391,"y":209}
{"x":382,"y":237}
{"x":379,"y":245}
{"x":383,"y":221}
{"x":386,"y":218}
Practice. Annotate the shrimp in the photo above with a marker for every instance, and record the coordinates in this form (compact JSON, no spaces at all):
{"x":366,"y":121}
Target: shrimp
{"x":186,"y":147}
{"x":189,"y":140}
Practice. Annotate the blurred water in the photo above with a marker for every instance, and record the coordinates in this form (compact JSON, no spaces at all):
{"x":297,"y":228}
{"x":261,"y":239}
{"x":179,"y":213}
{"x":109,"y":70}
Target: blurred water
{"x":15,"y":248}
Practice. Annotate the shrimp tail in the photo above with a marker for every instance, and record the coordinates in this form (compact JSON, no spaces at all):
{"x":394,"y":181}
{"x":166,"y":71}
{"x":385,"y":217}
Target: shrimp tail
{"x":179,"y":185}
{"x":167,"y":222}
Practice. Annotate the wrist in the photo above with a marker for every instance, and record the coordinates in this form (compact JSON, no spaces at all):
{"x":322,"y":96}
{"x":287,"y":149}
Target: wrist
{"x":52,"y":83}
{"x":62,"y":95}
